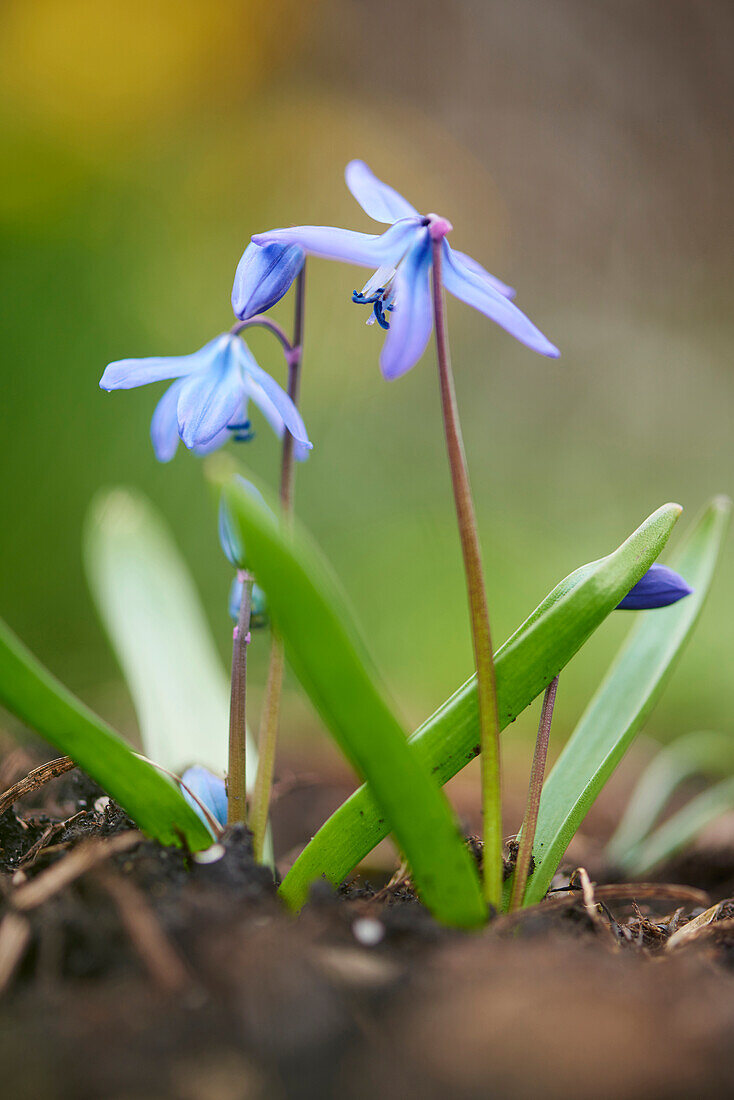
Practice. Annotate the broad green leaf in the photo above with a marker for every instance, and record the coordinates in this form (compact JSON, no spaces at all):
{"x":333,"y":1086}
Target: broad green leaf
{"x":157,"y":628}
{"x":682,"y":827}
{"x":524,"y":665}
{"x":705,"y":752}
{"x":331,"y":661}
{"x":623,"y":702}
{"x":30,"y":692}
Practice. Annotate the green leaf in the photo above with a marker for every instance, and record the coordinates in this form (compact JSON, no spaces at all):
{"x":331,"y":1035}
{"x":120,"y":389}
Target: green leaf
{"x":623,"y":702}
{"x":705,"y":752}
{"x":682,"y":827}
{"x":157,"y":628}
{"x":30,"y":692}
{"x":331,"y":661}
{"x":524,"y":665}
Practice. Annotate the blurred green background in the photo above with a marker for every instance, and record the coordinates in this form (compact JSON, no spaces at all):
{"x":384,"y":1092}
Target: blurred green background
{"x":582,"y":152}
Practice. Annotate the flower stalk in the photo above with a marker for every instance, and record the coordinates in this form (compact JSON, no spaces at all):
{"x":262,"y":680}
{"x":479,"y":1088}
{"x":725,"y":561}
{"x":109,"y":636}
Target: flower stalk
{"x":489,"y":729}
{"x":537,"y":774}
{"x":268,"y":733}
{"x":237,"y":771}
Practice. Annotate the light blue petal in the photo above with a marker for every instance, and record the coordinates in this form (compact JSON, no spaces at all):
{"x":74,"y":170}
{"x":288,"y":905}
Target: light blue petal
{"x":269,"y":410}
{"x":301,"y":451}
{"x":466,"y":286}
{"x":411,"y":321}
{"x":208,"y":401}
{"x":365,"y":249}
{"x":126,"y":374}
{"x":209,"y":789}
{"x":259,"y":384}
{"x":378,"y":199}
{"x":217,"y":440}
{"x":470,"y":266}
{"x":263,"y":276}
{"x":164,"y":425}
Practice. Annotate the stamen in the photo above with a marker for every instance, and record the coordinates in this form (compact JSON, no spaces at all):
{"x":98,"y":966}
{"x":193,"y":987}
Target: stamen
{"x":378,"y":301}
{"x":242,"y":433}
{"x":359,"y":298}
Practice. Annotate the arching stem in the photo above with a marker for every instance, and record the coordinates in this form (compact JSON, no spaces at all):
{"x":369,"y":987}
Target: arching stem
{"x":479,"y":615}
{"x":268,"y":734}
{"x":537,"y":774}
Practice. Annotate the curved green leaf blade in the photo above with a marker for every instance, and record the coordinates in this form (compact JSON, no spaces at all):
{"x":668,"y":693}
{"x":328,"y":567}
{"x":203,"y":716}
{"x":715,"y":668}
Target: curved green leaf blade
{"x":30,"y":692}
{"x":524,"y":665}
{"x":330,"y":660}
{"x":158,"y":631}
{"x":705,"y":752}
{"x":682,"y":827}
{"x":622,"y":703}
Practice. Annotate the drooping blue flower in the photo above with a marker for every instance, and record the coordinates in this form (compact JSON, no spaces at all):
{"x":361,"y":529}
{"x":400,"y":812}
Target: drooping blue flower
{"x":209,"y":789}
{"x":207,"y":404}
{"x":400,"y":290}
{"x":263,"y":276}
{"x":659,"y":587}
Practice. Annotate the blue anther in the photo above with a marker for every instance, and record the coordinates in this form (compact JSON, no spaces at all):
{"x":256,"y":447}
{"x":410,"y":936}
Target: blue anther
{"x":242,"y":433}
{"x":380,"y":317}
{"x":359,"y":299}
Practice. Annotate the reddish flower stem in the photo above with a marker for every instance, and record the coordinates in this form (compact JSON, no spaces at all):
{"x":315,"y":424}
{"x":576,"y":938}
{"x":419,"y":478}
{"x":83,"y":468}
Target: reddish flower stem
{"x":268,"y":733}
{"x":237,"y":774}
{"x":479,"y":615}
{"x":537,"y":774}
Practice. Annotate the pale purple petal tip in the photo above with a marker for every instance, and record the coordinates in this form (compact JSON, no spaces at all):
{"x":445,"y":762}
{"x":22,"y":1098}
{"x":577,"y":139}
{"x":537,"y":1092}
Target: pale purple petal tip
{"x":466,"y":286}
{"x":378,"y":199}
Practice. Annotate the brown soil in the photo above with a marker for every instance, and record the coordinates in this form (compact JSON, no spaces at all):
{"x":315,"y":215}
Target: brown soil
{"x":134,"y":972}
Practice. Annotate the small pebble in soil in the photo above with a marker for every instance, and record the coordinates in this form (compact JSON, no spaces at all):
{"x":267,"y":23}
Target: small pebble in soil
{"x":210,"y":855}
{"x":368,"y":931}
{"x":102,"y":803}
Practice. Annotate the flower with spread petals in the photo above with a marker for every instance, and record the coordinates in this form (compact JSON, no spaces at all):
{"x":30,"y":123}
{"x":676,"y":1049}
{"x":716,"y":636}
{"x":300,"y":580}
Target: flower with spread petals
{"x":263,"y":276}
{"x":207,"y":404}
{"x":210,"y":789}
{"x":400,"y":289}
{"x":659,"y":587}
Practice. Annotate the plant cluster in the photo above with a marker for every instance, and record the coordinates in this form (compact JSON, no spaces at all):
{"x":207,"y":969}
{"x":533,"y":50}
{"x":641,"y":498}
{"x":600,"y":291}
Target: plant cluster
{"x":178,"y":792}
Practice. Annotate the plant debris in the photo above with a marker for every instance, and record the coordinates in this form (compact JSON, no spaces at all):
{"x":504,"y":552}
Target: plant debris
{"x":186,"y":978}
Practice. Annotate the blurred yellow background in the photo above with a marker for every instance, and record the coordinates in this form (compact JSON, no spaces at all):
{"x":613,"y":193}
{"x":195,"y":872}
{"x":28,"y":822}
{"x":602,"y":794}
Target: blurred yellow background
{"x":582,"y":152}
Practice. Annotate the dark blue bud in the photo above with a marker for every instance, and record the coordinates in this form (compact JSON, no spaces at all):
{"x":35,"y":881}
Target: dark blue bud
{"x":209,"y":789}
{"x":263,"y":276}
{"x":659,"y":587}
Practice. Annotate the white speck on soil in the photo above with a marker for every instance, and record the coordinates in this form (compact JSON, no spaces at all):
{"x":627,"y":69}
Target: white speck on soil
{"x":368,"y":931}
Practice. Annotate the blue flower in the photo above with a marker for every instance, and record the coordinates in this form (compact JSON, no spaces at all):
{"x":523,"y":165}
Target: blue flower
{"x":209,"y":789}
{"x":263,"y":276}
{"x":659,"y":587}
{"x":400,"y":289}
{"x":207,"y":404}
